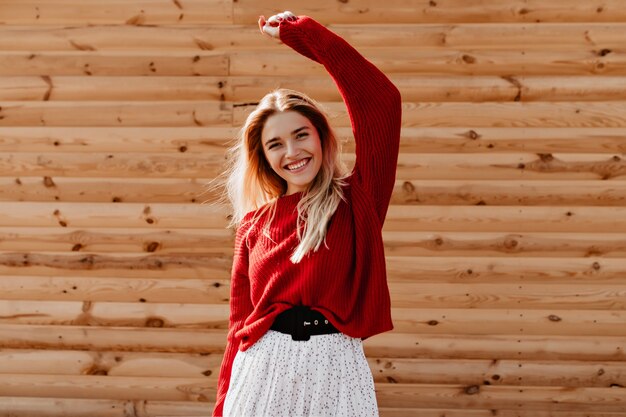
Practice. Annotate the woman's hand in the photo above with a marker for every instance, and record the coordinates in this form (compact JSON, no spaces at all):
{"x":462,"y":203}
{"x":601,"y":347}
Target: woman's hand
{"x":271,"y":26}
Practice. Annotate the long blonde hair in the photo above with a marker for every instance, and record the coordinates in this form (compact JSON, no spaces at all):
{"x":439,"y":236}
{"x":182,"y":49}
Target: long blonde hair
{"x":252,"y":184}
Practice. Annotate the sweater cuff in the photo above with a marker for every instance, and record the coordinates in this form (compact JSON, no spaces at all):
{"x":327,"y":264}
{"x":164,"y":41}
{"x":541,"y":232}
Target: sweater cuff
{"x":295,"y":33}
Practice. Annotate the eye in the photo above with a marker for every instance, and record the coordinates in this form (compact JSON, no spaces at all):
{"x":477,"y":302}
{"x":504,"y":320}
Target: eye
{"x":273,"y":145}
{"x":304,"y":134}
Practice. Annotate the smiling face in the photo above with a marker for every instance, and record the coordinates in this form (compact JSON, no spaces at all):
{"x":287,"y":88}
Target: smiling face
{"x":293,"y":149}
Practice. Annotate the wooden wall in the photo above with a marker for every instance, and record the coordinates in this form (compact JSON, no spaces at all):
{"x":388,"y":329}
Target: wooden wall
{"x":505,"y":241}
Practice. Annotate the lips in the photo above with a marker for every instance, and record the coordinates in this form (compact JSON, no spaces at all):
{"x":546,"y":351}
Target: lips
{"x":296,"y":166}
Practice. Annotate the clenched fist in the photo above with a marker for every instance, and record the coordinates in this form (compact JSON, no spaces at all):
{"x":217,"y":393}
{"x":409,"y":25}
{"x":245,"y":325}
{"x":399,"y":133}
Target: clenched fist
{"x":271,"y":26}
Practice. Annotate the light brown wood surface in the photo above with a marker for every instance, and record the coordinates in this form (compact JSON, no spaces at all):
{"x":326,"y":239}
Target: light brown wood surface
{"x":505,"y":240}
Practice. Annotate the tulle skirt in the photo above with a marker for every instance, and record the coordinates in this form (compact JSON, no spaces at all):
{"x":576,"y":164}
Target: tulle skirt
{"x":325,"y":376}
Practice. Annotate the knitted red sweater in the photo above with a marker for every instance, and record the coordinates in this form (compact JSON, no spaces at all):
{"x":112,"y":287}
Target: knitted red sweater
{"x":347,"y":281}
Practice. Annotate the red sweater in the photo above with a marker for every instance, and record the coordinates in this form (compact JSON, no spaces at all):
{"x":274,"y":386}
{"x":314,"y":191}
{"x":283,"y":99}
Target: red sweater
{"x":347,"y":281}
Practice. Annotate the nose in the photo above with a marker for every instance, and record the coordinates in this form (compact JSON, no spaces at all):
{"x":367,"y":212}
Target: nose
{"x":292,"y":149}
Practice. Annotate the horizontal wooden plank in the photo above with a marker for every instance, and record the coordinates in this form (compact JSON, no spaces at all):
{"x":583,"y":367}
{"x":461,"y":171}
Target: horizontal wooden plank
{"x":192,"y":139}
{"x":506,"y":218}
{"x":512,"y":166}
{"x":210,"y":289}
{"x":458,"y":192}
{"x":117,"y":63}
{"x":45,"y":406}
{"x":430,"y":296}
{"x":35,"y":270}
{"x":131,"y":12}
{"x":109,"y":387}
{"x":470,"y":115}
{"x":177,"y":315}
{"x":508,"y":64}
{"x":117,"y":165}
{"x":113,"y":215}
{"x":443,"y":11}
{"x":73,"y":407}
{"x":126,"y":364}
{"x":108,"y":274}
{"x":396,"y":395}
{"x":498,"y":372}
{"x":121,"y":240}
{"x":399,"y":218}
{"x":389,"y":344}
{"x":71,"y":269}
{"x":473,"y":269}
{"x":528,"y":245}
{"x":133,"y":339}
{"x":170,"y":113}
{"x":394,"y":61}
{"x":419,"y":85}
{"x":515,"y":346}
{"x":413,"y":87}
{"x":500,"y":192}
{"x":193,"y":113}
{"x":209,"y":310}
{"x":129,"y":265}
{"x":448,"y":412}
{"x":522,"y":319}
{"x":170,"y":39}
{"x":219,"y":242}
{"x":393,"y":370}
{"x":447,"y":166}
{"x":494,"y":397}
{"x":215,"y":139}
{"x":120,"y":190}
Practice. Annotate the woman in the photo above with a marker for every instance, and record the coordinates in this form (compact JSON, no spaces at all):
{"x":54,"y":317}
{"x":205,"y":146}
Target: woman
{"x":308,"y":280}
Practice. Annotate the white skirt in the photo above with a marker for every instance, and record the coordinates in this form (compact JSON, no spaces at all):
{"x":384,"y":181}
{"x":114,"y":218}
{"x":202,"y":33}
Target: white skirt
{"x":327,"y":375}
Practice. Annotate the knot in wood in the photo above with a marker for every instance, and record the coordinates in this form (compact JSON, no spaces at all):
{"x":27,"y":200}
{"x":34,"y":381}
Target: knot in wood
{"x":47,"y":182}
{"x":408,"y":187}
{"x":472,"y":389}
{"x":546,"y":157}
{"x":154,"y":322}
{"x":473,"y":135}
{"x":468,"y":59}
{"x":553,"y":317}
{"x":510,"y":243}
{"x":152,"y":246}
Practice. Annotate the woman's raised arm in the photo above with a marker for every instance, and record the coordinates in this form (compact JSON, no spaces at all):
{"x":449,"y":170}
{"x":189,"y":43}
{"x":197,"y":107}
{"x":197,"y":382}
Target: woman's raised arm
{"x":373,"y":101}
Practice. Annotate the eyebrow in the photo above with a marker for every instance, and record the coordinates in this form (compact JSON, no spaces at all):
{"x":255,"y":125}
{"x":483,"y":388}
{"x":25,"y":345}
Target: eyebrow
{"x":293,"y":133}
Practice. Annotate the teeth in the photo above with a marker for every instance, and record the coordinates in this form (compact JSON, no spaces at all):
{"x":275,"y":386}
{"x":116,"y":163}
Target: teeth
{"x":297,"y":165}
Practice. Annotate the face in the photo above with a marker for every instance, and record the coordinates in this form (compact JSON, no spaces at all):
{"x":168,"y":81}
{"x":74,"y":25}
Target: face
{"x":293,"y":149}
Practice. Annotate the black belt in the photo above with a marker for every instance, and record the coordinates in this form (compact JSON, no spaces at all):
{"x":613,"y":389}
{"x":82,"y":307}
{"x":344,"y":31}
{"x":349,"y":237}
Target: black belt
{"x":301,"y":323}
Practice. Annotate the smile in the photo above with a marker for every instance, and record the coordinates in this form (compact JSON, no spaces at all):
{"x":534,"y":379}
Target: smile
{"x":298,"y":165}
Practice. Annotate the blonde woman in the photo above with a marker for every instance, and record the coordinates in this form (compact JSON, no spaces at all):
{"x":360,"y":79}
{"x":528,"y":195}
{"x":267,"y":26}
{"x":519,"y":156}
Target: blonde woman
{"x":308,"y":281}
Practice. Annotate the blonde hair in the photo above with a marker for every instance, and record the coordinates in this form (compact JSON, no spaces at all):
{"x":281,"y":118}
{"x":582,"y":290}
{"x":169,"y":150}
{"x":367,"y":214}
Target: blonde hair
{"x":251,"y":184}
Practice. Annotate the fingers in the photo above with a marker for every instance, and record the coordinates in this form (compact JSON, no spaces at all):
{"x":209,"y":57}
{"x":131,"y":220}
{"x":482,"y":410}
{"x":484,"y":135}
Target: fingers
{"x":271,"y":26}
{"x":274,"y":21}
{"x":289,"y":15}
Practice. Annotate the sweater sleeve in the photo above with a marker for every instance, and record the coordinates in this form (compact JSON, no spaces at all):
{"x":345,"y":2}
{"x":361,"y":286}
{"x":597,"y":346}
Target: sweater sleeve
{"x":374,"y":104}
{"x":240,"y":308}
